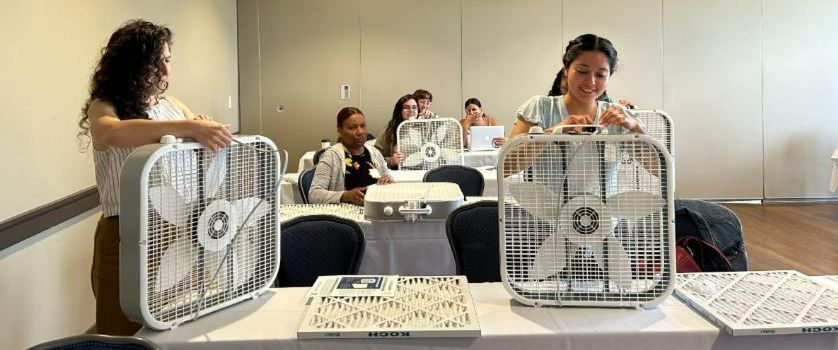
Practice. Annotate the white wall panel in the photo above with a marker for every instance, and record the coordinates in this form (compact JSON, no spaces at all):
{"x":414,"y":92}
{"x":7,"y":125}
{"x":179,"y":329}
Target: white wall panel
{"x":801,"y":89}
{"x":635,"y":28}
{"x":408,"y":45}
{"x":308,"y":49}
{"x":713,"y":89}
{"x":510,"y":52}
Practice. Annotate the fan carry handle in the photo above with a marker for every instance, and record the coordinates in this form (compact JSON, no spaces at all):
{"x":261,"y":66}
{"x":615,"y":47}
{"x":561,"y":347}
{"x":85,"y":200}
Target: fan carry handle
{"x":412,"y":210}
{"x":588,"y":128}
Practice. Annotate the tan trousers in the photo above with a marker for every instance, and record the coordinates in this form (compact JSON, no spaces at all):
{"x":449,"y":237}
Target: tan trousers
{"x":104,"y":275}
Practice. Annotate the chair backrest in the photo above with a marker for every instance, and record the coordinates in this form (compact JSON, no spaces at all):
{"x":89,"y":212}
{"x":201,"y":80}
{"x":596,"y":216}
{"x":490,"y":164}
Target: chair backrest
{"x":474,"y":238}
{"x":97,"y":342}
{"x":317,"y":245}
{"x":469,"y":179}
{"x":317,"y":156}
{"x":304,"y":183}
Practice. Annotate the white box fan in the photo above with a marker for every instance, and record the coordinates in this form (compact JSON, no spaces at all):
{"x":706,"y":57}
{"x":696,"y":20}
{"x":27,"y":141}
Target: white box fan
{"x":430,"y":143}
{"x":199,"y":229}
{"x":412,"y":201}
{"x":586,"y":220}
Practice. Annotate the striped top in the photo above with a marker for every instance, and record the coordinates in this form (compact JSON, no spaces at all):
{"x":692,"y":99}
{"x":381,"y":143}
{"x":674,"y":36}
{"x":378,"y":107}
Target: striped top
{"x":109,"y":161}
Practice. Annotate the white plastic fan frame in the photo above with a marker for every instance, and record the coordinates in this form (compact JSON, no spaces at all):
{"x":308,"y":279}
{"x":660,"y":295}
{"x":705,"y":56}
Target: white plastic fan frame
{"x":659,"y":126}
{"x":134,"y":218}
{"x":559,"y":292}
{"x":430,"y":143}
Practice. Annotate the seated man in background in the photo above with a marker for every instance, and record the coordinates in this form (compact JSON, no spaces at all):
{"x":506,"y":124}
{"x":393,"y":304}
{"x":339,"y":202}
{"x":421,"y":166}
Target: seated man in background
{"x":343,"y":172}
{"x":424,"y":99}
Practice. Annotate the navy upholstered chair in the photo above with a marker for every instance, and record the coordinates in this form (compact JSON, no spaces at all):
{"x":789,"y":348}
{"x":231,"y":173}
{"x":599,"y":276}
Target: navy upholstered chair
{"x":97,"y":342}
{"x":304,"y":183}
{"x":317,"y":245}
{"x":469,"y":179}
{"x":473,"y":234}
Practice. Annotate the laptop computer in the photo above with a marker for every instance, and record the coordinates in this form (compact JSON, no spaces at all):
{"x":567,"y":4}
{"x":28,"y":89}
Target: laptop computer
{"x":482,"y":136}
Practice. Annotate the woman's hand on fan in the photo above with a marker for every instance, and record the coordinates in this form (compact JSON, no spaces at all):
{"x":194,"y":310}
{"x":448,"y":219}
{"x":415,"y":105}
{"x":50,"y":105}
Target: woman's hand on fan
{"x":203,"y":117}
{"x":384,"y":180}
{"x":576,"y":119}
{"x":210,"y":134}
{"x":353,"y":196}
{"x":396,"y":158}
{"x":616,"y":115}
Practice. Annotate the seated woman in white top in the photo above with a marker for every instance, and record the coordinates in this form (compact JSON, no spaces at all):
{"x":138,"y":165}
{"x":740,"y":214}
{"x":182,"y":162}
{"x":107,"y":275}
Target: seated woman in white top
{"x":588,"y":61}
{"x":343,"y":172}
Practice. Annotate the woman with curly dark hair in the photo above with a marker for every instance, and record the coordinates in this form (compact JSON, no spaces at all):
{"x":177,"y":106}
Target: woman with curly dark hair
{"x":128,"y":108}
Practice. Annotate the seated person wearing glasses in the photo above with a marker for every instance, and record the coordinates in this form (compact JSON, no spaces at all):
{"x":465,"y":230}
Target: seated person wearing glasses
{"x":424,"y":98}
{"x":405,"y":108}
{"x":343,"y":172}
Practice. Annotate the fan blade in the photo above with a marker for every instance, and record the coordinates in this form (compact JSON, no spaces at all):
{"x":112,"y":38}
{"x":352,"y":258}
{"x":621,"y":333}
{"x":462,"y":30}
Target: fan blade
{"x":214,"y":176}
{"x":167,"y":203}
{"x":583,"y":171}
{"x":175,"y":264}
{"x":244,"y":260}
{"x":245,"y":205}
{"x":537,"y":199}
{"x":217,"y":225}
{"x":414,"y":139}
{"x":413,"y":159}
{"x":619,"y":262}
{"x":550,"y":259}
{"x":440,"y":133}
{"x":180,"y":171}
{"x":451,"y":156}
{"x":634,"y":204}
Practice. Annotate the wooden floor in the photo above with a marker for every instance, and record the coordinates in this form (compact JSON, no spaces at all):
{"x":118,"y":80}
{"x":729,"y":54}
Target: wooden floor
{"x":798,"y":236}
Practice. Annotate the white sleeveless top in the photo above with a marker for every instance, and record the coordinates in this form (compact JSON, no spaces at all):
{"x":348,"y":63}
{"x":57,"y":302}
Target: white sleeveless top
{"x":109,"y":162}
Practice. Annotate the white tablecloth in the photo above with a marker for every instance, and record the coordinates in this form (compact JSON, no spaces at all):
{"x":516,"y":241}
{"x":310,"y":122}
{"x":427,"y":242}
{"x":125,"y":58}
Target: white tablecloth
{"x":472,"y":159}
{"x":290,"y":192}
{"x":833,"y":184}
{"x":271,"y":322}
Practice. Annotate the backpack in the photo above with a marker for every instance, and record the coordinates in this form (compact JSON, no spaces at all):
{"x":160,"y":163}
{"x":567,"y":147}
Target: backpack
{"x":715,"y":237}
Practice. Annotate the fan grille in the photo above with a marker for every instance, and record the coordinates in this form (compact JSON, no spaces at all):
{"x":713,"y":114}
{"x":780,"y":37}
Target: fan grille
{"x":187,"y":233}
{"x":658,"y":125}
{"x":586,"y":220}
{"x":430,"y":143}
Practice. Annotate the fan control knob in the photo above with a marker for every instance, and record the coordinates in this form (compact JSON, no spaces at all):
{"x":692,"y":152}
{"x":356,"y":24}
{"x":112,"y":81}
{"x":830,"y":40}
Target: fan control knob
{"x":388,"y":210}
{"x":168,"y":139}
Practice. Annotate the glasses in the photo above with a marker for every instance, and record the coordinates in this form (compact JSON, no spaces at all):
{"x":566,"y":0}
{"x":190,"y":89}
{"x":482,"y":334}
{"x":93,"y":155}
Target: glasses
{"x":407,"y":108}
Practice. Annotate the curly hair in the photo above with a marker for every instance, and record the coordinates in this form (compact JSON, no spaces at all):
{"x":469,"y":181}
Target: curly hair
{"x":130,"y":71}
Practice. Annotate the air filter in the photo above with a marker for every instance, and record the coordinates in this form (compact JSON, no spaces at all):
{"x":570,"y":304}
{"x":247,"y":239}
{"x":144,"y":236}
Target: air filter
{"x":761,"y":302}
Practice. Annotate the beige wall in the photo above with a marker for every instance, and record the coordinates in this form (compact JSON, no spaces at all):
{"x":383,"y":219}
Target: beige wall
{"x":745,"y":82}
{"x":49,"y":50}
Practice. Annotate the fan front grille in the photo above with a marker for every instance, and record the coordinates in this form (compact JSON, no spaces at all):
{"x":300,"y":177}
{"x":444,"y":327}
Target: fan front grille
{"x":197,"y":212}
{"x":585,"y":220}
{"x":430,"y":143}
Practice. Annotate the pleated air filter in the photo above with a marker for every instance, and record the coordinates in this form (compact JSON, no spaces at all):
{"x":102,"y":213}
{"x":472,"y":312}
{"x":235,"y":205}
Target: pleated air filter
{"x":199,"y":228}
{"x":430,"y":143}
{"x":762,"y":302}
{"x":586,"y":220}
